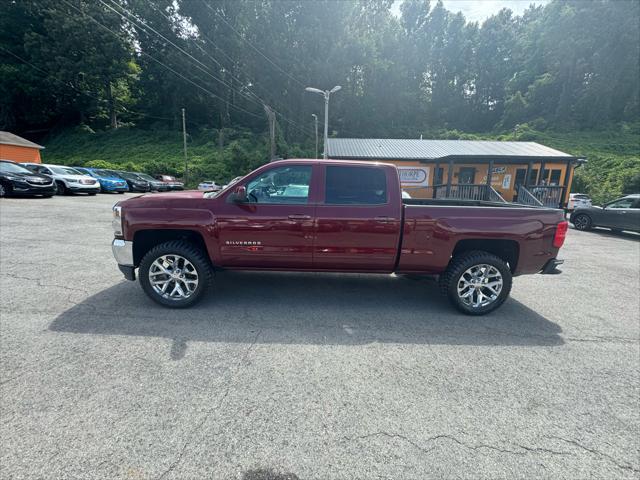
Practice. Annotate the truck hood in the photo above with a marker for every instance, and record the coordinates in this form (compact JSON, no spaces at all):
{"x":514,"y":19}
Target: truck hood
{"x":162,"y":200}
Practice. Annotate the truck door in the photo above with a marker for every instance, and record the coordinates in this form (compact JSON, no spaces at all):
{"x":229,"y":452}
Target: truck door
{"x":358,"y":219}
{"x":274,"y":227}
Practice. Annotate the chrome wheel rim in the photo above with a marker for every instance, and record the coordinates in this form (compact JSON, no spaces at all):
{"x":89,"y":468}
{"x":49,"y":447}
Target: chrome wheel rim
{"x":173,"y":277}
{"x":480,"y":285}
{"x":581,"y":222}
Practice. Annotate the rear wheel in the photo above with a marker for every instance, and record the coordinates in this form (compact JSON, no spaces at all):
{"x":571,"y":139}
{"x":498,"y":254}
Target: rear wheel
{"x":3,"y":191}
{"x":582,"y":222}
{"x":476,"y":282}
{"x":175,"y":274}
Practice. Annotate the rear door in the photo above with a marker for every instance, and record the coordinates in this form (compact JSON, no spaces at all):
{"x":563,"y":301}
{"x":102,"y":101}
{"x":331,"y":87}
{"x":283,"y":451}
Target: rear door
{"x":358,"y":218}
{"x":274,"y":228}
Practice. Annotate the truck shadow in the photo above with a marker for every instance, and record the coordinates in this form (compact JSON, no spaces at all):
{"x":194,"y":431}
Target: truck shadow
{"x":307,"y":308}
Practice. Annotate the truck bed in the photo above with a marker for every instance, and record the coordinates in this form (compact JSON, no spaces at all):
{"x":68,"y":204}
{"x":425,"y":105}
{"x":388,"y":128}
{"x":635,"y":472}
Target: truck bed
{"x":433,"y":229}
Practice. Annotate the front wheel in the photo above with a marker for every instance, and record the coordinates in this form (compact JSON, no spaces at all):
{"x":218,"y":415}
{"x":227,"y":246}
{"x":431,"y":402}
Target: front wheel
{"x":476,"y":282}
{"x":582,"y":222}
{"x":175,"y":274}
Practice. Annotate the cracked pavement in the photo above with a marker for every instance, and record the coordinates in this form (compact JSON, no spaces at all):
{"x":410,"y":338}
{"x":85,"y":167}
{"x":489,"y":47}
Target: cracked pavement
{"x":291,"y":376}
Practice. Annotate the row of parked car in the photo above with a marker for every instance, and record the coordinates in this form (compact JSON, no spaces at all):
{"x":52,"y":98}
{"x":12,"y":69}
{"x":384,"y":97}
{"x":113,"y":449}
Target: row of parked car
{"x":48,"y":180}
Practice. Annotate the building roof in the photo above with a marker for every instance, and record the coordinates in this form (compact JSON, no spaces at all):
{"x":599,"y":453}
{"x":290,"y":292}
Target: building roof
{"x":7,"y":138}
{"x":414,"y":149}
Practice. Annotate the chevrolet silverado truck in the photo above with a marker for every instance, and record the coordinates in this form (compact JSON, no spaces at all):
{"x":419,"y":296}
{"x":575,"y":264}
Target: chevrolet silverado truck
{"x":332,"y":216}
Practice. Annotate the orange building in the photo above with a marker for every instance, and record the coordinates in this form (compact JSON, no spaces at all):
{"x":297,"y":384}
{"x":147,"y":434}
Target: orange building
{"x":523,"y":172}
{"x":18,"y":149}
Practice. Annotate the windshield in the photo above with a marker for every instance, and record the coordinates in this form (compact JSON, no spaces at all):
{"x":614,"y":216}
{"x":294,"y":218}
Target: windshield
{"x":144,"y":176}
{"x":64,"y":171}
{"x":105,"y":173}
{"x":8,"y":167}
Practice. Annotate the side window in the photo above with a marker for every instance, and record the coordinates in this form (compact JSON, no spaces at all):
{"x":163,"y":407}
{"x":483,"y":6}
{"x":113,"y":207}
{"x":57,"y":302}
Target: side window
{"x":45,"y":170}
{"x":624,"y":203}
{"x":355,"y":186}
{"x":283,"y":185}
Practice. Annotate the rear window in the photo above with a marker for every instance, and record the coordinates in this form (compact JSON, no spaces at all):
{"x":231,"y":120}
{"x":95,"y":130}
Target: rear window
{"x":581,"y":197}
{"x":355,"y":186}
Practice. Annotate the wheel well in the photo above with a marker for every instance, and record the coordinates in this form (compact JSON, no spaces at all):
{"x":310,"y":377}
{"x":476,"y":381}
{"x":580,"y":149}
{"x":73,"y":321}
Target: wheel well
{"x":145,"y":240}
{"x":507,"y":250}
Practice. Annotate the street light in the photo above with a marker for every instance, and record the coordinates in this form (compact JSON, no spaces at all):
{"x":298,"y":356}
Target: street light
{"x":315,"y":120}
{"x":326,"y":94}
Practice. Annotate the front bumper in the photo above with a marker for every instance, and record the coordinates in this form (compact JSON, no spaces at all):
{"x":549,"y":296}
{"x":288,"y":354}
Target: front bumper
{"x":122,"y":251}
{"x":24,"y":188}
{"x":114,"y":188}
{"x":81,"y":188}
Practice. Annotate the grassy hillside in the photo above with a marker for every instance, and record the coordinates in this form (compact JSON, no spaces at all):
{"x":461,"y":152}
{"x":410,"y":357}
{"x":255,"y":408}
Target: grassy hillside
{"x":213,"y":155}
{"x":613,"y":155}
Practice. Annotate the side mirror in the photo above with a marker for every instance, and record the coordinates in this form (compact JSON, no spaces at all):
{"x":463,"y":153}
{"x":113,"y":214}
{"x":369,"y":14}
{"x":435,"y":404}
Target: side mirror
{"x":240,"y":194}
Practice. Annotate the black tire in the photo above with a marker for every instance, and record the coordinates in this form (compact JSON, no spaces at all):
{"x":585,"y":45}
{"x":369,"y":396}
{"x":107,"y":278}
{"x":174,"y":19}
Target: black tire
{"x":187,"y":250}
{"x":92,"y":194}
{"x":459,"y":265}
{"x":4,"y":190}
{"x":120,"y":193}
{"x":582,"y":222}
{"x":61,"y":189}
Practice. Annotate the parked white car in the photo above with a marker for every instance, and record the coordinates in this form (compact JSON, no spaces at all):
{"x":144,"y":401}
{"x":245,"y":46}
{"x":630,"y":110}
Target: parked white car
{"x":578,"y":200}
{"x":209,"y":186}
{"x":68,"y":180}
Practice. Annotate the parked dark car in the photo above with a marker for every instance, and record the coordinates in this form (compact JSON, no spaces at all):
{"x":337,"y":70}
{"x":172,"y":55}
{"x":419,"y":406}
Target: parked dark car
{"x":156,"y":185}
{"x":136,"y":184}
{"x":18,"y":180}
{"x":621,"y":214}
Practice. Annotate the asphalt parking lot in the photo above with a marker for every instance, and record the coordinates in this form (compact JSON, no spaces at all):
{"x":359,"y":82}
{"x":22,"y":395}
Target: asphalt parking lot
{"x":281,"y":376}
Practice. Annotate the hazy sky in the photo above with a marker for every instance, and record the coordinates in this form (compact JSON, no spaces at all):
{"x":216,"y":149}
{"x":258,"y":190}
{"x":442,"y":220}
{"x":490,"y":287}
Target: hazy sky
{"x":479,"y":10}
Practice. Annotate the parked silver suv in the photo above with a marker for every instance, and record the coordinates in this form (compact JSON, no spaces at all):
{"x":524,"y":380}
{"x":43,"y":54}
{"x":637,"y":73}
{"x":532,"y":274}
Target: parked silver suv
{"x":68,"y":180}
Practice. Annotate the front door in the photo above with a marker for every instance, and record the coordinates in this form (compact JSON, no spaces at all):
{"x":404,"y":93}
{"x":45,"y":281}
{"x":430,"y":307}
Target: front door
{"x":274,"y":227}
{"x":621,"y":214}
{"x":467,"y":176}
{"x":358,"y":220}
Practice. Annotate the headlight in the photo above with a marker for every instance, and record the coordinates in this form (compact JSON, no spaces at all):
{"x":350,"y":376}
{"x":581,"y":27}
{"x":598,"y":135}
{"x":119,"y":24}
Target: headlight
{"x":72,"y":180}
{"x":116,"y":222}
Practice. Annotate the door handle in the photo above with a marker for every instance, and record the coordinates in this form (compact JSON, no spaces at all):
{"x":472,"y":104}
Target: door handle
{"x":384,"y":219}
{"x":299,"y":217}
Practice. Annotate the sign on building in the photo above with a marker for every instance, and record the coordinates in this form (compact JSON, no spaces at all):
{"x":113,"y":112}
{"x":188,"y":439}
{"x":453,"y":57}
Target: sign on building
{"x":414,"y":176}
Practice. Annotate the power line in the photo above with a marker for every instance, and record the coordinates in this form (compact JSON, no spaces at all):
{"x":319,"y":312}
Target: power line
{"x":70,"y":85}
{"x":164,"y":65}
{"x":241,"y":93}
{"x":252,"y":45}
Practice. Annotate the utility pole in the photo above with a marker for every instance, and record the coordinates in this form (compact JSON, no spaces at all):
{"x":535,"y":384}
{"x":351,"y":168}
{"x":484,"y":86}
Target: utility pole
{"x":271,"y":116}
{"x":315,"y":118}
{"x":326,"y":94}
{"x":184,"y":143}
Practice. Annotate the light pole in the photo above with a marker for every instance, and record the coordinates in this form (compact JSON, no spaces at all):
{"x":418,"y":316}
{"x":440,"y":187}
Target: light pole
{"x":326,"y":94}
{"x":315,"y":118}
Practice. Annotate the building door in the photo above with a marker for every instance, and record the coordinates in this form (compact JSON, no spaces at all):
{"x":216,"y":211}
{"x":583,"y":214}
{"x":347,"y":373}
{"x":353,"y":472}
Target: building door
{"x":466,"y":175}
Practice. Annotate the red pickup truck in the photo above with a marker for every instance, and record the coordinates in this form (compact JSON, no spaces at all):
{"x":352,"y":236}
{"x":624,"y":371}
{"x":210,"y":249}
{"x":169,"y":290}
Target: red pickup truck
{"x":332,"y":216}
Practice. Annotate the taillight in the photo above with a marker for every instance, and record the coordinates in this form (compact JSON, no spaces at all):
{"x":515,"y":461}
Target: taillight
{"x":561,"y":234}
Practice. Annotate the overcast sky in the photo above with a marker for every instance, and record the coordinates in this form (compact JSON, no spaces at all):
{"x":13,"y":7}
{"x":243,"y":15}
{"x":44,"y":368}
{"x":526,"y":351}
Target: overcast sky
{"x":480,"y":10}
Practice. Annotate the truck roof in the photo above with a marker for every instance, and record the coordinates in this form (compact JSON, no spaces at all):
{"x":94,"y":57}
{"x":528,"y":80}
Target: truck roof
{"x":330,"y":162}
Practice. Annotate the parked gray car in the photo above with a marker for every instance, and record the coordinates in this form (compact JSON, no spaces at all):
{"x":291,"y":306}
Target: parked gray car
{"x":621,"y":214}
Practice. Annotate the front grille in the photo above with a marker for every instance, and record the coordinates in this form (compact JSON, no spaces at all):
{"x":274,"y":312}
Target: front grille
{"x":87,"y":181}
{"x":39,"y":181}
